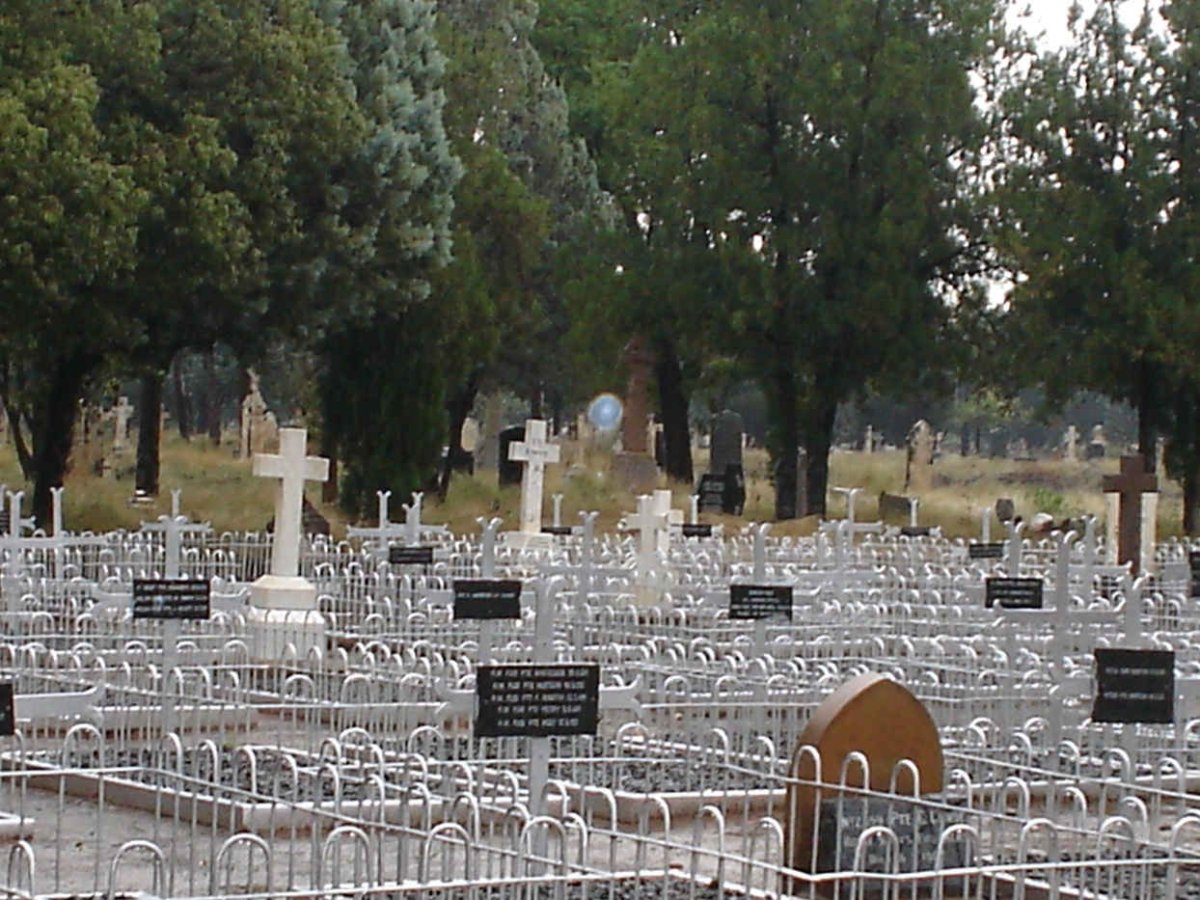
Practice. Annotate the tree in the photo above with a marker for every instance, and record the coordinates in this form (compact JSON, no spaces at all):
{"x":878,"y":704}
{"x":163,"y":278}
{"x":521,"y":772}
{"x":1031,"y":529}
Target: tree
{"x":833,"y":150}
{"x":1087,"y":193}
{"x":68,"y":231}
{"x":382,"y":386}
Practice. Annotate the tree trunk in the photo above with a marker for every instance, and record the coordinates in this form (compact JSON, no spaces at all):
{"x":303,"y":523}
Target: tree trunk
{"x":458,"y":409}
{"x":787,"y":441}
{"x":212,"y":398}
{"x":673,"y":402}
{"x":818,"y":438}
{"x":183,"y":403}
{"x":56,"y":425}
{"x":149,"y":433}
{"x":1191,"y":500}
{"x":1147,"y":410}
{"x":329,"y":450}
{"x":964,"y":441}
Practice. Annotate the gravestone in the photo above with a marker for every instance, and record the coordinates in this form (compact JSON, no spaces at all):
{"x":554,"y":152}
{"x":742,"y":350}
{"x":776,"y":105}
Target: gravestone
{"x":1130,"y":488}
{"x":1071,"y":445}
{"x":869,"y":440}
{"x":535,"y":452}
{"x":283,"y":604}
{"x":728,"y":430}
{"x":634,"y":466}
{"x":260,"y":432}
{"x":122,"y":413}
{"x":509,"y":469}
{"x":895,"y":508}
{"x":876,"y":717}
{"x":918,"y":472}
{"x":1098,"y":445}
{"x":1006,"y":509}
{"x":469,"y":435}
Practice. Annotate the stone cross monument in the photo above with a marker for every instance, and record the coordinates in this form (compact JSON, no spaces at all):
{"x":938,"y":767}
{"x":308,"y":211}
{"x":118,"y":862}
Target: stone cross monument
{"x":1130,"y":492}
{"x":284,"y":603}
{"x":535,"y":451}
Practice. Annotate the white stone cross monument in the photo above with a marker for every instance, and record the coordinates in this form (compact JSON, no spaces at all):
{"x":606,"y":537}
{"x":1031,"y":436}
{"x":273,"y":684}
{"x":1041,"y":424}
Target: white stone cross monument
{"x":284,"y":604}
{"x":122,"y":413}
{"x":535,"y":452}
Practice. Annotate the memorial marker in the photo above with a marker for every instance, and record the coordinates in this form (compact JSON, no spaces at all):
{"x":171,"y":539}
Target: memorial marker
{"x":537,"y":700}
{"x":487,"y":598}
{"x":171,"y":598}
{"x":760,"y":601}
{"x":410,"y":556}
{"x":1014,"y":593}
{"x":697,"y":530}
{"x":1134,"y":686}
{"x":8,"y":715}
{"x":985,"y":550}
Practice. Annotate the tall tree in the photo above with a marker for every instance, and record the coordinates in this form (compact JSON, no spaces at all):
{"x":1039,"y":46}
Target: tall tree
{"x":382,"y":390}
{"x":833,"y":146}
{"x":1087,"y":194}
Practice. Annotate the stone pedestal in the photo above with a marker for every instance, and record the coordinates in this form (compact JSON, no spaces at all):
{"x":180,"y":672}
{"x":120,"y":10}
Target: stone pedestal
{"x":635,"y":472}
{"x":283,"y":610}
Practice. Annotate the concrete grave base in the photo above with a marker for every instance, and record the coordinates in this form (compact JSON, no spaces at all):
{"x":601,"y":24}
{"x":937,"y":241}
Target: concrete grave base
{"x":279,"y":634}
{"x":520,"y":540}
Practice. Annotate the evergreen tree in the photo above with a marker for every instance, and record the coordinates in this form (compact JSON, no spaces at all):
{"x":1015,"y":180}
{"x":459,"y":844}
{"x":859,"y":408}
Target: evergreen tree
{"x":382,"y":391}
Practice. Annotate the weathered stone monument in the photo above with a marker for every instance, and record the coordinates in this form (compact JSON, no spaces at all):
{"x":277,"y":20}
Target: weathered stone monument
{"x":918,"y":472}
{"x":1132,"y":512}
{"x":1070,"y":444}
{"x":283,"y":604}
{"x":634,"y":466}
{"x":1098,"y":445}
{"x":881,"y":720}
{"x":725,"y":482}
{"x":869,"y":440}
{"x":260,"y":431}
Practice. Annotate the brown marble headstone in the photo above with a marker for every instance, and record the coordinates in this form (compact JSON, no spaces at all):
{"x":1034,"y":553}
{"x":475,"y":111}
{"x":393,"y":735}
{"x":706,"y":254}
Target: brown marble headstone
{"x":876,"y":717}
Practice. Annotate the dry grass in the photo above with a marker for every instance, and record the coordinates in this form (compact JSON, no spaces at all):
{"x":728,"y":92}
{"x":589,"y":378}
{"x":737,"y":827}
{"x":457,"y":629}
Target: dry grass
{"x":219,"y":488}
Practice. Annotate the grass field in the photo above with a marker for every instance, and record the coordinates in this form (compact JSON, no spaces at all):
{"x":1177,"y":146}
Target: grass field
{"x":219,"y":488}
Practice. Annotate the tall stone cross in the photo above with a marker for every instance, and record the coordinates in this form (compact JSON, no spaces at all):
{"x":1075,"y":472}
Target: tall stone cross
{"x":292,"y":467}
{"x":535,"y":452}
{"x":1129,"y":486}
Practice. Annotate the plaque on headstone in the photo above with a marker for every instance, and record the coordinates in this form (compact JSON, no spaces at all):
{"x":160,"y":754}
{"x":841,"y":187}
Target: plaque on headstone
{"x":557,"y":530}
{"x":171,"y":598}
{"x":697,"y":529}
{"x":712,"y":493}
{"x":537,"y":700}
{"x":410,"y":556}
{"x":1013,"y":593}
{"x":917,"y":827}
{"x":915,"y":531}
{"x":487,"y":598}
{"x":1194,"y":566}
{"x":8,"y":714}
{"x":1006,"y":509}
{"x":760,"y":601}
{"x":985,"y":550}
{"x":1134,"y":686}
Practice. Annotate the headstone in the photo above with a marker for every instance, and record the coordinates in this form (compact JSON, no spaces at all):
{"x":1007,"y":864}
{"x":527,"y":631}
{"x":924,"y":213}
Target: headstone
{"x":123,"y":411}
{"x":1098,"y":445}
{"x":869,"y":440}
{"x":1071,"y":444}
{"x":509,"y":469}
{"x":727,"y":432}
{"x":535,"y":452}
{"x":284,"y":604}
{"x":876,"y":717}
{"x":1130,"y":485}
{"x":260,"y":432}
{"x":918,"y":473}
{"x":1134,"y":685}
{"x":895,"y":508}
{"x":634,"y":466}
{"x":469,"y":435}
{"x":1006,"y":509}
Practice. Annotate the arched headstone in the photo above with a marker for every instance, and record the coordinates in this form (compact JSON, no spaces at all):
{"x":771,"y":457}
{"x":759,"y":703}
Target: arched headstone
{"x":876,"y":717}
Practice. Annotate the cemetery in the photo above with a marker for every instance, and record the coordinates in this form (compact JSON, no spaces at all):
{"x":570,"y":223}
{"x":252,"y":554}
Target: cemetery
{"x":677,"y":707}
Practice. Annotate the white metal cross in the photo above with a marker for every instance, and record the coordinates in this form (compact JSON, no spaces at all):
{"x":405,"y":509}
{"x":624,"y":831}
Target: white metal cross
{"x":535,"y":452}
{"x":292,"y":467}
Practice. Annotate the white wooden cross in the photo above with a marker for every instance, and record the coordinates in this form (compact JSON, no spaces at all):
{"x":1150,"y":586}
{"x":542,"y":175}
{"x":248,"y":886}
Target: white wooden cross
{"x":292,"y":467}
{"x":535,"y":452}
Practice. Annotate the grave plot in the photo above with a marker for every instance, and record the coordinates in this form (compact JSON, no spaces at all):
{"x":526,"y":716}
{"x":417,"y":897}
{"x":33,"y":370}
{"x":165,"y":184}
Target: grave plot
{"x":653,"y":714}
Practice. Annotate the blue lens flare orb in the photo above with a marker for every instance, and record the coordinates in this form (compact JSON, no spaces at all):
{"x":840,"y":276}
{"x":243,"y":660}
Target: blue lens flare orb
{"x":605,"y":412}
